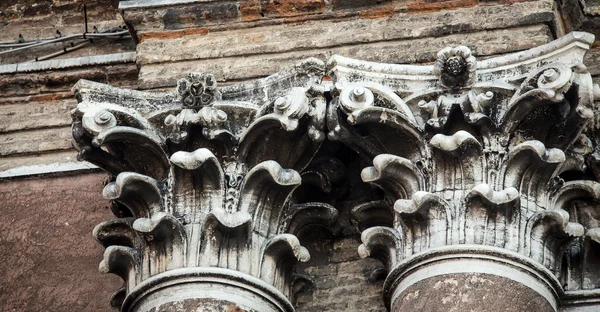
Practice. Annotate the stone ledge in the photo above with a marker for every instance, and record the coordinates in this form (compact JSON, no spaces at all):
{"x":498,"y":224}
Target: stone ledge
{"x":117,"y":58}
{"x":138,"y":4}
{"x":54,"y":168}
{"x":333,"y":35}
{"x":402,"y":51}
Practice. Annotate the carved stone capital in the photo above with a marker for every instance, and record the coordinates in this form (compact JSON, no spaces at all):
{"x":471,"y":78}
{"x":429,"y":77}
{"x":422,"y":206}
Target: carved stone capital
{"x":203,"y":183}
{"x":470,"y":155}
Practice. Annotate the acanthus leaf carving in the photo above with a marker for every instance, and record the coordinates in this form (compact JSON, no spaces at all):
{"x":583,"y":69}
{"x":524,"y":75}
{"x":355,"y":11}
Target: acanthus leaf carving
{"x":395,"y":175}
{"x":127,"y":190}
{"x":306,"y":215}
{"x":116,"y":232}
{"x":204,"y":161}
{"x":120,"y":260}
{"x":383,"y":243}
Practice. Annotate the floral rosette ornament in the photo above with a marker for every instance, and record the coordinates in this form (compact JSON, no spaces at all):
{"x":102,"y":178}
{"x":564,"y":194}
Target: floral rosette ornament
{"x":455,"y":67}
{"x":197,"y":89}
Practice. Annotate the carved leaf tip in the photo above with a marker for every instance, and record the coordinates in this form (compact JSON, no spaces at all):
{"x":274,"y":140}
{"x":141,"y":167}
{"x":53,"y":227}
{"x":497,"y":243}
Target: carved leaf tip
{"x":373,"y":213}
{"x":271,"y":170}
{"x":420,"y":200}
{"x":594,"y":234}
{"x":193,"y":160}
{"x":486,"y":192}
{"x":548,"y":155}
{"x":230,"y":220}
{"x":575,"y":229}
{"x":204,"y":163}
{"x":383,"y":162}
{"x":381,"y":242}
{"x":451,"y":143}
{"x":160,"y":222}
{"x":115,"y":232}
{"x":575,"y":190}
{"x":120,"y":133}
{"x":396,"y":176}
{"x":313,"y":213}
{"x":286,"y":244}
{"x":560,"y":218}
{"x":130,"y":188}
{"x":118,"y":260}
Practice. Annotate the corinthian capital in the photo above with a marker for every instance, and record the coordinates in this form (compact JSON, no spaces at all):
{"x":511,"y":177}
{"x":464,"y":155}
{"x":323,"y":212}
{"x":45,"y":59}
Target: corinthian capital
{"x":203,"y":183}
{"x":471,"y":157}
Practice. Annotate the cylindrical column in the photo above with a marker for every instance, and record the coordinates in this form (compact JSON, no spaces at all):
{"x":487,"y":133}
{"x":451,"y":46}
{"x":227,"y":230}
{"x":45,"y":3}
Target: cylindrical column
{"x":470,"y":278}
{"x":205,"y":289}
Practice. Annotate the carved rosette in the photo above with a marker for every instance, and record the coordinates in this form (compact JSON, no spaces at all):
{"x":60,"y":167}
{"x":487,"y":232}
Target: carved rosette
{"x":203,"y":187}
{"x":470,"y":156}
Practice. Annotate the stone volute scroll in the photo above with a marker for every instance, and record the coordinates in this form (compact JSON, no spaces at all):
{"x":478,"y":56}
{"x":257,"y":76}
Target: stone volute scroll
{"x":481,"y":177}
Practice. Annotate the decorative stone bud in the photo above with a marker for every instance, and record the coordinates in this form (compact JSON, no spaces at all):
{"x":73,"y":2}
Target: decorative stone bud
{"x":455,"y":67}
{"x":197,"y":89}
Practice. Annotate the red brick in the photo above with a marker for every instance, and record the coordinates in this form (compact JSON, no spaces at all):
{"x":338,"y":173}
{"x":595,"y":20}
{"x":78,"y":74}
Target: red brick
{"x":49,"y":257}
{"x":250,"y":10}
{"x":200,"y":15}
{"x":377,"y":13}
{"x":437,"y":5}
{"x":287,"y":8}
{"x":165,"y":35}
{"x":353,"y":4}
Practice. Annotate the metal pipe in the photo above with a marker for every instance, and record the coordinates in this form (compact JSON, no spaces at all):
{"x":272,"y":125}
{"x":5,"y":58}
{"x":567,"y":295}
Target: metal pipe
{"x":41,"y":43}
{"x":64,"y":50}
{"x":85,"y":18}
{"x":18,"y":45}
{"x":81,"y":36}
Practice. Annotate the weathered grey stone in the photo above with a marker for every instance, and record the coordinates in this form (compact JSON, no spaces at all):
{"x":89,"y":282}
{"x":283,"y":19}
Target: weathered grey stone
{"x":592,"y":61}
{"x":493,"y":202}
{"x":35,"y":141}
{"x":24,"y":161}
{"x":106,"y":59}
{"x":34,"y":115}
{"x":404,"y":51}
{"x":326,"y":34}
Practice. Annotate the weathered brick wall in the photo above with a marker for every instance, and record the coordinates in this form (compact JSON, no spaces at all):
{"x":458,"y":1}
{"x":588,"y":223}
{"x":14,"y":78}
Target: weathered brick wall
{"x":252,"y":41}
{"x":35,"y":98}
{"x":339,"y":279}
{"x":40,"y":19}
{"x":55,"y":268}
{"x":48,"y":257}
